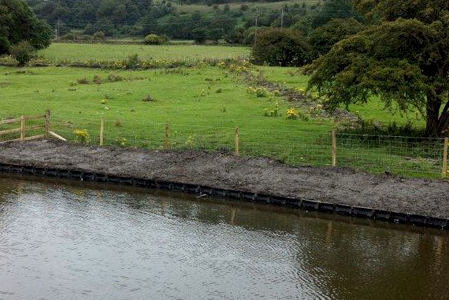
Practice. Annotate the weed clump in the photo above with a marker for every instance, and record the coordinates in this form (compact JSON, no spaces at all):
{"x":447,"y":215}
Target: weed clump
{"x":82,"y":136}
{"x":83,"y":81}
{"x":148,"y":98}
{"x":97,"y":79}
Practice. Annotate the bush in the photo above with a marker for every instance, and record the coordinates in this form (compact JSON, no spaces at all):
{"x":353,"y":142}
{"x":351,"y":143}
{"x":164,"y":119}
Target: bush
{"x":153,"y":39}
{"x":8,"y":61}
{"x":99,"y":36}
{"x":83,"y":81}
{"x":281,"y":47}
{"x":115,"y":78}
{"x":97,"y":79}
{"x":236,"y":36}
{"x":23,"y":52}
{"x":68,"y":37}
{"x":250,"y":35}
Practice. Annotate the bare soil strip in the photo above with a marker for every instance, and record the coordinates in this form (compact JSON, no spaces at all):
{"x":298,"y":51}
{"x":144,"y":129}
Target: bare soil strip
{"x":255,"y":175}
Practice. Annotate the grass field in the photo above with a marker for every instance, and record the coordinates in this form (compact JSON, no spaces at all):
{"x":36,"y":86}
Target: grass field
{"x":375,"y":109}
{"x":202,"y":104}
{"x":82,"y":52}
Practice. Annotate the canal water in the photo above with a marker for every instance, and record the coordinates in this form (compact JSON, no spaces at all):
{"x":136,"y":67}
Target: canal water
{"x":65,"y":240}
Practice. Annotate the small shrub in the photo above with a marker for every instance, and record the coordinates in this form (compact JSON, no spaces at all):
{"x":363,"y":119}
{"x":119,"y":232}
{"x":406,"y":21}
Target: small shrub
{"x":272,"y":111}
{"x":97,"y":79}
{"x":292,"y":113}
{"x":132,"y":62}
{"x":83,"y":81}
{"x":219,"y":91}
{"x":122,"y":142}
{"x":23,"y":52}
{"x":99,"y":36}
{"x":190,"y":142}
{"x":39,"y":62}
{"x":281,"y":47}
{"x":153,"y":39}
{"x":261,"y":92}
{"x":118,"y":123}
{"x":148,"y":98}
{"x":82,"y":136}
{"x":115,"y":78}
{"x":8,"y":61}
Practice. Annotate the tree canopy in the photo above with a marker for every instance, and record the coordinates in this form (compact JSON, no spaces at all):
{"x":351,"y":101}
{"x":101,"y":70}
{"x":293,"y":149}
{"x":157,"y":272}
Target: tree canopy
{"x":402,"y":58}
{"x":281,"y":47}
{"x":18,"y":23}
{"x":323,"y":38}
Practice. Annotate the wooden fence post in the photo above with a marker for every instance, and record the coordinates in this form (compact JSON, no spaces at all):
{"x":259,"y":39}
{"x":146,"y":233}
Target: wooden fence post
{"x":334,"y":148}
{"x":47,"y":123}
{"x":167,"y":135}
{"x":446,"y":142}
{"x":102,"y":132}
{"x":237,"y":141}
{"x":22,"y":128}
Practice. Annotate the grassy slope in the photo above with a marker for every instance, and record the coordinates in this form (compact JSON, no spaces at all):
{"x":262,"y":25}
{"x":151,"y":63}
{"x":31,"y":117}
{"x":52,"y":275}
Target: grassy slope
{"x":179,"y":99}
{"x":81,"y":52}
{"x":199,"y":116}
{"x":374,"y":109}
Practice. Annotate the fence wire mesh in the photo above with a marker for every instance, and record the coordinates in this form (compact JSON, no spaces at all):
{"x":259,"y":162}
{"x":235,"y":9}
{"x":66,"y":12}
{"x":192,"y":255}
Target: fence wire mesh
{"x":407,"y":156}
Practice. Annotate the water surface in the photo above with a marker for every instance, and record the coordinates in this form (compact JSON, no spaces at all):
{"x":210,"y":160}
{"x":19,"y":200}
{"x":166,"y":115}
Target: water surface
{"x":61,"y":240}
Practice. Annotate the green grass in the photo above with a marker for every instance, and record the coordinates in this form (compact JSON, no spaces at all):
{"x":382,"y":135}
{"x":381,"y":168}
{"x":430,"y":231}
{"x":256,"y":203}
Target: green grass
{"x":199,"y":117}
{"x":83,"y":52}
{"x":189,"y":97}
{"x":373,"y":110}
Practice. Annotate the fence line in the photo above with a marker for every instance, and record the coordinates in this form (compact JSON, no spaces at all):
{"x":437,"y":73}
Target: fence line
{"x":408,"y":156}
{"x":23,"y":129}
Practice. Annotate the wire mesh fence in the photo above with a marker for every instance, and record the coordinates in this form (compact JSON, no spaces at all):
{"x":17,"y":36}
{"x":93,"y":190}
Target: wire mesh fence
{"x":407,"y":156}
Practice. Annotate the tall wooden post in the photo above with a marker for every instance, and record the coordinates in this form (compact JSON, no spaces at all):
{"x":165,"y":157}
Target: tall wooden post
{"x":167,"y":136}
{"x":47,"y":123}
{"x":102,"y":132}
{"x":446,"y":142}
{"x":334,"y":148}
{"x":237,"y":141}
{"x":22,"y":128}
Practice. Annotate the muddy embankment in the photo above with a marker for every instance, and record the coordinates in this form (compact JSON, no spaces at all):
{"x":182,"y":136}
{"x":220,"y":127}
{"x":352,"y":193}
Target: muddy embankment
{"x":224,"y":171}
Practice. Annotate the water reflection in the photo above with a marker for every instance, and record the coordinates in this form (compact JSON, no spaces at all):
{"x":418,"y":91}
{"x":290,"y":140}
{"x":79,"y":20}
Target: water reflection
{"x":73,"y":241}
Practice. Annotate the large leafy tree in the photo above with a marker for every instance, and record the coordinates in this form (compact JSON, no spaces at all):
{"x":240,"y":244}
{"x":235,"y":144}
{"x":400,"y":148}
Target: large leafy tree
{"x":323,"y":38}
{"x":402,"y":58}
{"x":335,"y":9}
{"x":281,"y":47}
{"x":18,"y":23}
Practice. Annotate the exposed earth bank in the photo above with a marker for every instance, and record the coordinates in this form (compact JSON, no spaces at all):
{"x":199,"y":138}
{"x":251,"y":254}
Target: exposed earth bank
{"x":256,"y":175}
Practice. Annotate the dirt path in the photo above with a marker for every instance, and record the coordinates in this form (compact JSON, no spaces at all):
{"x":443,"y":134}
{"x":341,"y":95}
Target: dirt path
{"x":262,"y":176}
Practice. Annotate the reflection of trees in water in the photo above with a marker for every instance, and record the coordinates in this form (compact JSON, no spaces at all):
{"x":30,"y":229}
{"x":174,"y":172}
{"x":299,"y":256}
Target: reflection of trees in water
{"x":362,"y":262}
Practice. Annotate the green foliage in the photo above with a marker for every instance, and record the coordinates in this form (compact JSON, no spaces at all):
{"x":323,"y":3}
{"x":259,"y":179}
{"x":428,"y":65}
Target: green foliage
{"x":323,"y":38}
{"x":335,"y":9}
{"x":23,"y":52}
{"x":154,"y":39}
{"x":374,"y":129}
{"x":99,"y":36}
{"x":281,"y":47}
{"x":18,"y":23}
{"x":402,"y":61}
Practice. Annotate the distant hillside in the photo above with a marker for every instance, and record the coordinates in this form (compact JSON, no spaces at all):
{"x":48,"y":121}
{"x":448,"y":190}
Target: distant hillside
{"x":183,"y":19}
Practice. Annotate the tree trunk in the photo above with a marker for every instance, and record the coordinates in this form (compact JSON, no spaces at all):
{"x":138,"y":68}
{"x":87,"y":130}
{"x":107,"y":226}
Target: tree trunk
{"x":436,"y":122}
